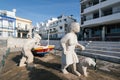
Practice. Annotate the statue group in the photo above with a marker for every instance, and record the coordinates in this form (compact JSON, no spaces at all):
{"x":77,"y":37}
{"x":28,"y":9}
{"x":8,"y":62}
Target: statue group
{"x":69,"y":57}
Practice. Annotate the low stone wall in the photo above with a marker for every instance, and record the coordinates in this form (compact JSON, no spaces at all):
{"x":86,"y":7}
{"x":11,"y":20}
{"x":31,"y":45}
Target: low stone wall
{"x":16,"y":42}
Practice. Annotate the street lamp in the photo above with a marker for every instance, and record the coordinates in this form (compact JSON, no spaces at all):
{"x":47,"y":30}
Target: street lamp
{"x":47,"y":29}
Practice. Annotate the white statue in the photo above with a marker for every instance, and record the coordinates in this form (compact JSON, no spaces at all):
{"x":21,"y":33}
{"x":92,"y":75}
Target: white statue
{"x":69,"y":42}
{"x":84,"y":63}
{"x":28,"y":57}
{"x":29,"y":35}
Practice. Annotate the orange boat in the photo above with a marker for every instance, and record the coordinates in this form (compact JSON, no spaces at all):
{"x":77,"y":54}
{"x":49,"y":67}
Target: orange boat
{"x":42,"y":50}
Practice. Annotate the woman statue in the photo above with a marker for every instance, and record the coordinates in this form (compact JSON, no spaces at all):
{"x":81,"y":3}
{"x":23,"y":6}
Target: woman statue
{"x":69,"y":42}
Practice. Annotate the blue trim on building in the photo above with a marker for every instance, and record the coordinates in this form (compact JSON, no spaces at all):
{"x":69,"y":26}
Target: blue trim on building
{"x":8,"y":18}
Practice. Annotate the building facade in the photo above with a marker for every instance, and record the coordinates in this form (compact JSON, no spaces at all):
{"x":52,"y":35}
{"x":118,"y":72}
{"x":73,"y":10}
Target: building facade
{"x":7,"y":23}
{"x":23,"y":27}
{"x":56,"y":27}
{"x":100,"y":19}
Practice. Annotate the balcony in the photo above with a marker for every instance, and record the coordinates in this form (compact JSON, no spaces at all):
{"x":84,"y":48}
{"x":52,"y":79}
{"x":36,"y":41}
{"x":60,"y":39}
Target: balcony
{"x":108,"y":3}
{"x":100,"y":5}
{"x":21,"y":29}
{"x":113,"y":18}
{"x":91,"y":9}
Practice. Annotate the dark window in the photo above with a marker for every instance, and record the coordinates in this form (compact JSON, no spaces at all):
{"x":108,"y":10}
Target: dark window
{"x":26,"y":27}
{"x":96,"y":32}
{"x":50,"y":30}
{"x":103,"y":0}
{"x":107,"y":12}
{"x":0,"y":33}
{"x":95,"y":2}
{"x":54,"y":29}
{"x":19,"y":25}
{"x":95,"y":15}
{"x":66,"y":27}
{"x":82,"y":7}
{"x":82,"y":19}
{"x":61,"y":27}
{"x":114,"y":29}
{"x":65,"y":19}
{"x":10,"y":24}
{"x":60,"y":21}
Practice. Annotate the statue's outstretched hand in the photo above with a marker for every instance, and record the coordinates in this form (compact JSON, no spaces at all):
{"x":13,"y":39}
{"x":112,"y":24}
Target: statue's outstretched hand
{"x":81,"y":47}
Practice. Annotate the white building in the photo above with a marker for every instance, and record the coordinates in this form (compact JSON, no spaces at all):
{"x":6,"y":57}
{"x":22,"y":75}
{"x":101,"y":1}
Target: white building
{"x":23,"y":27}
{"x":57,"y":27}
{"x":7,"y":23}
{"x":100,"y":19}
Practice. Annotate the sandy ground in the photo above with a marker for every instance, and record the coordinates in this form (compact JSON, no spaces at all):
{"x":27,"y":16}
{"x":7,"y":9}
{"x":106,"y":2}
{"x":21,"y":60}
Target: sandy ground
{"x":47,"y":68}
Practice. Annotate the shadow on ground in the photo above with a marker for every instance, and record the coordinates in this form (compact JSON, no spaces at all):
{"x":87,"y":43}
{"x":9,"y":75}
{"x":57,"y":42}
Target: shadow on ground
{"x":42,"y":74}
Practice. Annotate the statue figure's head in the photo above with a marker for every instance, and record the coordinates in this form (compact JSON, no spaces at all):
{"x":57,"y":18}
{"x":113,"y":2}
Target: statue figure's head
{"x":37,"y":36}
{"x":75,"y":27}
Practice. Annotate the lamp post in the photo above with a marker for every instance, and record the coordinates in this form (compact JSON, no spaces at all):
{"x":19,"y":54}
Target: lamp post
{"x":48,"y":36}
{"x":47,"y":29}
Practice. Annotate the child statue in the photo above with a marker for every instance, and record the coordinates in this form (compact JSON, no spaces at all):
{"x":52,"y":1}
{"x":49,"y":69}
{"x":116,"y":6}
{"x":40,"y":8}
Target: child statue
{"x":69,"y":42}
{"x":27,"y":56}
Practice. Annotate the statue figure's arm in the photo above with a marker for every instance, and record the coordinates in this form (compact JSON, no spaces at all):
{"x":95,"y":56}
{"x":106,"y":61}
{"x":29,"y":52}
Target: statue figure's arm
{"x":80,"y":46}
{"x":64,"y":40}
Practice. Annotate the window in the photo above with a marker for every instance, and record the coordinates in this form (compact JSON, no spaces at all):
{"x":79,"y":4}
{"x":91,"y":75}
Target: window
{"x":97,"y":31}
{"x":50,"y":30}
{"x":3,"y":14}
{"x":5,"y":23}
{"x":9,"y":33}
{"x":19,"y":24}
{"x":95,"y":15}
{"x":47,"y":31}
{"x":107,"y":12}
{"x":61,"y":27}
{"x":60,"y":21}
{"x":95,"y":2}
{"x":113,"y":29}
{"x":103,"y":0}
{"x":10,"y":24}
{"x":54,"y":29}
{"x":82,"y":7}
{"x":26,"y":27}
{"x":82,"y":20}
{"x":0,"y":33}
{"x":66,"y":27}
{"x":0,"y":23}
{"x":65,"y":19}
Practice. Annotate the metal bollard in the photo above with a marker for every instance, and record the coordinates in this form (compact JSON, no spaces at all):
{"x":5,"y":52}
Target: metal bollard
{"x":96,"y":64}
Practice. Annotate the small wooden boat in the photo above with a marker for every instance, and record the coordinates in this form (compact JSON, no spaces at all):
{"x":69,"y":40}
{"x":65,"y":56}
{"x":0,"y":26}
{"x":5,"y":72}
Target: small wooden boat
{"x":42,"y":50}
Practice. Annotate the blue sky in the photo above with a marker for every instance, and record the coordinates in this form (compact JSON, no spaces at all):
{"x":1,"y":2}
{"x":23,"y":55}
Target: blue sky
{"x":41,"y":10}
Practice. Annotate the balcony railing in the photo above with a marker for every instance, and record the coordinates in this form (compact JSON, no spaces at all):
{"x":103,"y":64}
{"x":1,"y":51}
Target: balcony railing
{"x":8,"y":28}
